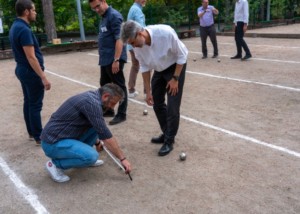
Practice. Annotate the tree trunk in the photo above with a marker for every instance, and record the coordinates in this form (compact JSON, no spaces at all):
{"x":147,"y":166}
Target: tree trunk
{"x":49,"y":19}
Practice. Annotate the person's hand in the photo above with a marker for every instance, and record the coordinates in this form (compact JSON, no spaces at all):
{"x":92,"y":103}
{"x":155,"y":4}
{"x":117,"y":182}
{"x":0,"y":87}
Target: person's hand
{"x":99,"y":147}
{"x":127,"y":166}
{"x":46,"y":83}
{"x":115,"y":67}
{"x":149,"y":99}
{"x":245,"y":28}
{"x":173,"y":87}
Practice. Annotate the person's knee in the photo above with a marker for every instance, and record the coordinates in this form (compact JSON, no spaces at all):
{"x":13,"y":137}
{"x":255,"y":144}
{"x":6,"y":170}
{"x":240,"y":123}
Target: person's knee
{"x":92,"y":157}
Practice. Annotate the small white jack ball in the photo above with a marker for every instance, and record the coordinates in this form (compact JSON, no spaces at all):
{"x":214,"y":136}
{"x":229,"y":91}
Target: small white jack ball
{"x":219,"y":60}
{"x":182,"y":156}
{"x":145,"y":112}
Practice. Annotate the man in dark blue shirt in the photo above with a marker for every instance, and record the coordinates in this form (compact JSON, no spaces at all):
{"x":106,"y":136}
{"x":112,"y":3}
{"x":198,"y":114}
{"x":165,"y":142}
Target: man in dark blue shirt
{"x":112,"y":53}
{"x":30,"y":67}
{"x":76,"y":126}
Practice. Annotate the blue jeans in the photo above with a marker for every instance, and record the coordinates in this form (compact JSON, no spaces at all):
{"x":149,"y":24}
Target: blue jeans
{"x":33,"y":92}
{"x":71,"y":153}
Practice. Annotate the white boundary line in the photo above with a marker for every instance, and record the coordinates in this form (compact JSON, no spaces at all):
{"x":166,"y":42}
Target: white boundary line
{"x":245,"y":81}
{"x":231,"y":133}
{"x":261,"y":59}
{"x":23,"y":190}
{"x":234,"y":79}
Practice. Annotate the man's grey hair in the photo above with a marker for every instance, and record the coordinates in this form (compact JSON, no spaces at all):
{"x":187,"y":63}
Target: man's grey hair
{"x":113,"y":90}
{"x":129,"y":30}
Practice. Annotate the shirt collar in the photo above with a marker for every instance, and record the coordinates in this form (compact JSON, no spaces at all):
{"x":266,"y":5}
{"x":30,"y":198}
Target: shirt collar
{"x":107,"y":11}
{"x":138,"y":5}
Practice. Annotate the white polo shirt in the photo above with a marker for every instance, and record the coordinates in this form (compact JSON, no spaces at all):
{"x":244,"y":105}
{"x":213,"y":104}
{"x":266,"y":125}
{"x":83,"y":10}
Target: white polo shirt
{"x":165,"y":49}
{"x":241,"y":11}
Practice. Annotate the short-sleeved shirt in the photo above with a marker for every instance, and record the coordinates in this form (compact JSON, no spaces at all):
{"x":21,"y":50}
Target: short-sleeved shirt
{"x":136,"y":14}
{"x":21,"y":35}
{"x":75,"y":116}
{"x":208,"y":18}
{"x":109,"y":33}
{"x":165,"y":49}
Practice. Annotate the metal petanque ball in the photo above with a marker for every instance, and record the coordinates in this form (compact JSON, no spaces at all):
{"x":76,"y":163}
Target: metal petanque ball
{"x":145,"y":112}
{"x":219,"y":60}
{"x":194,"y":60}
{"x":182,"y":156}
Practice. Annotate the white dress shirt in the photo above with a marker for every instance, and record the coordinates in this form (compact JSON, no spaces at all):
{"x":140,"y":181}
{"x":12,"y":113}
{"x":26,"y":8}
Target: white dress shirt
{"x":165,"y":49}
{"x":241,"y":11}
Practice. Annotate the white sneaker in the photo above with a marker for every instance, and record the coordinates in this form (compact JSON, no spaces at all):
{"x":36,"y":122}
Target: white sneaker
{"x":98,"y":163}
{"x":56,"y":173}
{"x":133,"y":94}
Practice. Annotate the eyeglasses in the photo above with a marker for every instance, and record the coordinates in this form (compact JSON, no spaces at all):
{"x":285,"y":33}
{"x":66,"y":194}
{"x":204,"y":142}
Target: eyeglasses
{"x":97,"y":7}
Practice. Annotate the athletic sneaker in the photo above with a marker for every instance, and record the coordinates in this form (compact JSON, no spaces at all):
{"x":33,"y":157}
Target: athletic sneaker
{"x":133,"y":94}
{"x":56,"y":173}
{"x":98,"y":163}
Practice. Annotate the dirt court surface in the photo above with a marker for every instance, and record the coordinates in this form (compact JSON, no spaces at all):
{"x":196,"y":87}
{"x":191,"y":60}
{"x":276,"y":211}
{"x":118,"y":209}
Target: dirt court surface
{"x":239,"y":129}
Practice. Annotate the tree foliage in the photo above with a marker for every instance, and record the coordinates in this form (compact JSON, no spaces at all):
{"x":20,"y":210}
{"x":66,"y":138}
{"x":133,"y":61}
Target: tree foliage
{"x":173,"y":12}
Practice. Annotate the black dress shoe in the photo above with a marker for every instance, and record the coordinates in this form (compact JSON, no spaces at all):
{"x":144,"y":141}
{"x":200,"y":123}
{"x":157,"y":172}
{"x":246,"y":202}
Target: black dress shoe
{"x":214,"y":56}
{"x":117,"y":119}
{"x":109,"y":113}
{"x":158,"y":140}
{"x":204,"y":57}
{"x":246,"y":57}
{"x":236,"y":57}
{"x":166,"y":148}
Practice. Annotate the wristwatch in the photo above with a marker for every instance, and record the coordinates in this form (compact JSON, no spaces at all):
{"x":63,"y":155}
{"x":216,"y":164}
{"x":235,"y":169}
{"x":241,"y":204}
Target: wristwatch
{"x":116,"y":60}
{"x":175,"y":77}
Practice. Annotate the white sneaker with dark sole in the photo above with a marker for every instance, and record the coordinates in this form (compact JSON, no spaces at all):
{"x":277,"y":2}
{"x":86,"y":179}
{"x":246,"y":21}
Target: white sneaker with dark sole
{"x":98,"y":163}
{"x":56,"y":173}
{"x":133,"y":94}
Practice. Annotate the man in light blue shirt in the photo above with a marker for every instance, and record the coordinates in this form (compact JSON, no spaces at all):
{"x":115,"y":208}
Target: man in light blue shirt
{"x":206,"y":18}
{"x":136,"y":14}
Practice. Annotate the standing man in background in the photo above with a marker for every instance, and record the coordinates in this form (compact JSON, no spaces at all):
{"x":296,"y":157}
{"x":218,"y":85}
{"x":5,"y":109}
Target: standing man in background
{"x":136,"y":14}
{"x":112,"y":54}
{"x":241,"y":19}
{"x":206,"y":18}
{"x":30,"y":67}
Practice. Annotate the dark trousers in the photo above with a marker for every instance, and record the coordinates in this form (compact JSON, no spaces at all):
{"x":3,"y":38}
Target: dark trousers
{"x":33,"y":92}
{"x":108,"y":77}
{"x":211,"y":32}
{"x":239,"y":39}
{"x":168,"y":115}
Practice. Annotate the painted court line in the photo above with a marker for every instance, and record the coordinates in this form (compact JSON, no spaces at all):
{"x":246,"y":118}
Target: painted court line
{"x":231,"y":133}
{"x":253,"y":58}
{"x":269,"y":46}
{"x":245,"y":81}
{"x":22,"y":189}
{"x":234,"y":79}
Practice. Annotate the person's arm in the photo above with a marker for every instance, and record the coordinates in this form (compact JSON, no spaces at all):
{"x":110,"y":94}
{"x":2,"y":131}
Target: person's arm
{"x":118,"y":51}
{"x":34,"y":63}
{"x":201,"y":13}
{"x":215,"y":11}
{"x":113,"y":146}
{"x":173,"y":83}
{"x":246,"y":15}
{"x":146,"y":78}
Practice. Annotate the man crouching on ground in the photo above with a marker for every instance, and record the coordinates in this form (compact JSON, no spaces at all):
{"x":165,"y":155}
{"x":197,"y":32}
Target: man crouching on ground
{"x":78,"y":124}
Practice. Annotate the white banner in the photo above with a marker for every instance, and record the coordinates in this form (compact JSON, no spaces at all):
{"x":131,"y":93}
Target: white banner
{"x":1,"y":27}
